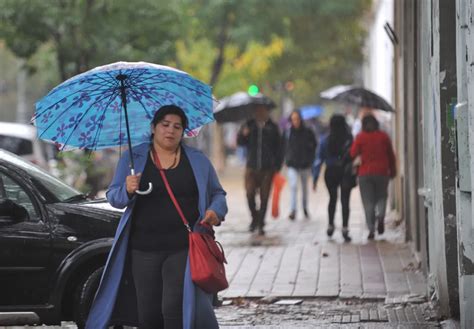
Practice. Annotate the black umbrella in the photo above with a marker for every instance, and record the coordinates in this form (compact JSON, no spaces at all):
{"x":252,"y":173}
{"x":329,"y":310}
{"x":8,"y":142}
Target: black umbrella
{"x":361,"y":97}
{"x":240,"y":106}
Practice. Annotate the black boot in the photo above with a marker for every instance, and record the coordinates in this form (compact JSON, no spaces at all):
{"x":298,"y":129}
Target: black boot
{"x":381,"y":225}
{"x":345,"y":234}
{"x":330,"y":230}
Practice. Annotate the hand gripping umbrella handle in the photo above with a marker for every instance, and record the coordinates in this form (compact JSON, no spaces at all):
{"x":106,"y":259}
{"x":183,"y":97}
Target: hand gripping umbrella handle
{"x":147,"y":191}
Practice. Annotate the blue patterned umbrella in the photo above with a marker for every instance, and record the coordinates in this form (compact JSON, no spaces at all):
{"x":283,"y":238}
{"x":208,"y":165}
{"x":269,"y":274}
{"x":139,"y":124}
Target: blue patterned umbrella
{"x":113,"y":105}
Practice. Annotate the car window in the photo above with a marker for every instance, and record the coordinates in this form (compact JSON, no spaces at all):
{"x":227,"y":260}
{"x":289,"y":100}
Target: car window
{"x":44,"y":181}
{"x":13,"y":191}
{"x":16,"y":145}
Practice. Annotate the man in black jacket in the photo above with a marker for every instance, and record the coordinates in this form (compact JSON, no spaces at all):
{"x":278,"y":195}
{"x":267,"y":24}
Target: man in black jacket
{"x":262,"y":138}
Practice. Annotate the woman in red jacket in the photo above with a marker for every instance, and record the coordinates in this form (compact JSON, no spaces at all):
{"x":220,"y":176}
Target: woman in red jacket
{"x":376,"y":169}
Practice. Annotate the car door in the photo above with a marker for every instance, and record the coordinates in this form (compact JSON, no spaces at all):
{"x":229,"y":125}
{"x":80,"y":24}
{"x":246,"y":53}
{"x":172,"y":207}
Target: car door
{"x":24,"y":244}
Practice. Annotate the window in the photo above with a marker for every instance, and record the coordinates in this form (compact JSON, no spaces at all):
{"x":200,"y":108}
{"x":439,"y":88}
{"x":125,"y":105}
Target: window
{"x":16,"y":145}
{"x":11,"y":190}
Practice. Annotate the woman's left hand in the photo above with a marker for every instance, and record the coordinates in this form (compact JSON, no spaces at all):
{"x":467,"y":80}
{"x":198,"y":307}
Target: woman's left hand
{"x":211,"y":218}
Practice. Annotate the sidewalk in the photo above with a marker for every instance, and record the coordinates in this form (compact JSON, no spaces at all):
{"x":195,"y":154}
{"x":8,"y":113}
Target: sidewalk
{"x":297,"y":259}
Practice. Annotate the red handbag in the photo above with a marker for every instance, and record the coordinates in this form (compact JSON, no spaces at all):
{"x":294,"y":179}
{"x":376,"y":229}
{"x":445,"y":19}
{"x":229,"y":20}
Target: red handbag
{"x":206,"y":255}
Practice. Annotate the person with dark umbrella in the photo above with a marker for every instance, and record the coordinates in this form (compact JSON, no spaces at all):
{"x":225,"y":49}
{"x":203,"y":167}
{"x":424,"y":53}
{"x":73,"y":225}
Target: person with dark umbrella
{"x":262,"y":138}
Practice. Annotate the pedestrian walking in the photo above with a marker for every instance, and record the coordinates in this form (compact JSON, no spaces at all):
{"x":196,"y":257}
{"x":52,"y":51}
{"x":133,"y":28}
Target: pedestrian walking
{"x":146,"y":281}
{"x":262,"y":138}
{"x":377,"y":167}
{"x":299,"y":148}
{"x":334,"y":154}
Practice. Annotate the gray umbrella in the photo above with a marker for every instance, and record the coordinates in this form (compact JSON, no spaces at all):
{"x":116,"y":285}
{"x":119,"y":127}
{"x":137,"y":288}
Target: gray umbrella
{"x":360,"y":97}
{"x":240,"y":106}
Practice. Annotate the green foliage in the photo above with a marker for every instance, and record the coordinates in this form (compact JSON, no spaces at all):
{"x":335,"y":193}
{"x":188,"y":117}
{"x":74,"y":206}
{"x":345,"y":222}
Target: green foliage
{"x":228,"y":43}
{"x":87,"y":33}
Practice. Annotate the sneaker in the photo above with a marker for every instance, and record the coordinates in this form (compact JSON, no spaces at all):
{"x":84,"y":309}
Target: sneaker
{"x":261,"y":232}
{"x":345,"y":234}
{"x":371,"y":236}
{"x":330,"y":230}
{"x":306,"y":214}
{"x":381,"y":226}
{"x":292,"y":215}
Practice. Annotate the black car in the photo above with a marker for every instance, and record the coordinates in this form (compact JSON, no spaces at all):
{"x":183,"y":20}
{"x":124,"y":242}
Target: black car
{"x":54,"y":243}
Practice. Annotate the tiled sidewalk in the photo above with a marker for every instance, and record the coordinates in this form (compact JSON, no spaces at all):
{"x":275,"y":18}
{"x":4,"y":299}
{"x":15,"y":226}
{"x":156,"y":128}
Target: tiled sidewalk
{"x":297,"y":259}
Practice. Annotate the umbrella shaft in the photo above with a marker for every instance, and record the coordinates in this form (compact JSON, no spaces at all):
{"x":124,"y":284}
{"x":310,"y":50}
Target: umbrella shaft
{"x":124,"y":104}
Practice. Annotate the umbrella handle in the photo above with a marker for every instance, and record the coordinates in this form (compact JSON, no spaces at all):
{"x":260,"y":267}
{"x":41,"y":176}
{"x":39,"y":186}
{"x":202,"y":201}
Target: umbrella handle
{"x":150,"y":186}
{"x":148,"y":191}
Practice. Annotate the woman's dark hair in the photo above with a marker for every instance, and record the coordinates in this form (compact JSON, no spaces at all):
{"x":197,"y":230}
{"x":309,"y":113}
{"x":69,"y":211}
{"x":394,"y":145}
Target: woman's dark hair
{"x":338,"y":134}
{"x":369,"y":123}
{"x":170,"y":109}
{"x":299,"y":115}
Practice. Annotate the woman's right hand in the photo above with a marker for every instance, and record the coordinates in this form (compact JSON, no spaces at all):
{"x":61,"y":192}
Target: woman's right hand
{"x":132,"y":183}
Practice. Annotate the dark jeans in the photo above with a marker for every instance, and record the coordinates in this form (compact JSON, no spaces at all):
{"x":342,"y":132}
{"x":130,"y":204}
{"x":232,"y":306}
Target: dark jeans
{"x":374,"y":193}
{"x":258,"y":181}
{"x":158,"y":277}
{"x":334,"y":178}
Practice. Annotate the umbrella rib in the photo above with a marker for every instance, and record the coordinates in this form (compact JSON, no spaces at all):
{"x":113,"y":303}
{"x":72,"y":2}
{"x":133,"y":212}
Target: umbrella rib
{"x":112,"y":82}
{"x":143,"y":82}
{"x":78,"y":81}
{"x":62,"y":113}
{"x":97,"y":135}
{"x":42,"y":111}
{"x":82,"y":117}
{"x":112,"y":78}
{"x":56,"y":119}
{"x":139,"y":101}
{"x":135,"y":74}
{"x":197,"y":108}
{"x":151,"y":95}
{"x":177,"y":94}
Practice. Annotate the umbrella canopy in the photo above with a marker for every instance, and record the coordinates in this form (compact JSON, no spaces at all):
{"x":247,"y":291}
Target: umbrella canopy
{"x":113,"y":105}
{"x":240,"y":106}
{"x":363,"y":98}
{"x":333,"y":91}
{"x":310,"y":111}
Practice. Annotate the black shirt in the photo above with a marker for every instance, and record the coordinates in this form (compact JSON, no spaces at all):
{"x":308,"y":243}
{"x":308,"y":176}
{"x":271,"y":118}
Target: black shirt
{"x":156,"y":224}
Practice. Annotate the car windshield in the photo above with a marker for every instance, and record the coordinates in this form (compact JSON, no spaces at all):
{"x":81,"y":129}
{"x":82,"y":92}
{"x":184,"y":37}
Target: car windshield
{"x":54,"y":186}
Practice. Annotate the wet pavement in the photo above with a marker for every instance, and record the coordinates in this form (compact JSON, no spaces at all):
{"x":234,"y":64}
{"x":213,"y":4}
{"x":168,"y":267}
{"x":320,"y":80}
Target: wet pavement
{"x":332,"y":284}
{"x":297,"y":277}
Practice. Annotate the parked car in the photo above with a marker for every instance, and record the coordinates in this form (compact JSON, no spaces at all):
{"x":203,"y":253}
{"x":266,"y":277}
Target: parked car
{"x":53,"y":243}
{"x":22,"y":139}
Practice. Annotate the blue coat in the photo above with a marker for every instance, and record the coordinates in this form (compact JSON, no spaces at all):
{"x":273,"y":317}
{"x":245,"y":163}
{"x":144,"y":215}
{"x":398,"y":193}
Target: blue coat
{"x":115,"y":301}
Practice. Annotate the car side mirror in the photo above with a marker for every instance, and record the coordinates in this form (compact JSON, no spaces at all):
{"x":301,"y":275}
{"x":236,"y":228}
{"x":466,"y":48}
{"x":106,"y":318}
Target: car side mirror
{"x":13,"y":211}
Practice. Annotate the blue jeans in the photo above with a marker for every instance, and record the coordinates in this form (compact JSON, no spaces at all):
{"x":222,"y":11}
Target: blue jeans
{"x":303,"y":175}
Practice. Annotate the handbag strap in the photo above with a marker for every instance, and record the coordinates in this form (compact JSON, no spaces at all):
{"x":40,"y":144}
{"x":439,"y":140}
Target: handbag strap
{"x":170,"y":191}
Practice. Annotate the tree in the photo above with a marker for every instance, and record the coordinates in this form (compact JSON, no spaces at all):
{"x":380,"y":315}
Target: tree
{"x":322,"y":40}
{"x":88,"y":33}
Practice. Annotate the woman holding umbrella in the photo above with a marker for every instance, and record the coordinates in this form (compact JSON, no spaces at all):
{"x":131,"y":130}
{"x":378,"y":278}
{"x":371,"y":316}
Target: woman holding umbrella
{"x":146,"y":281}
